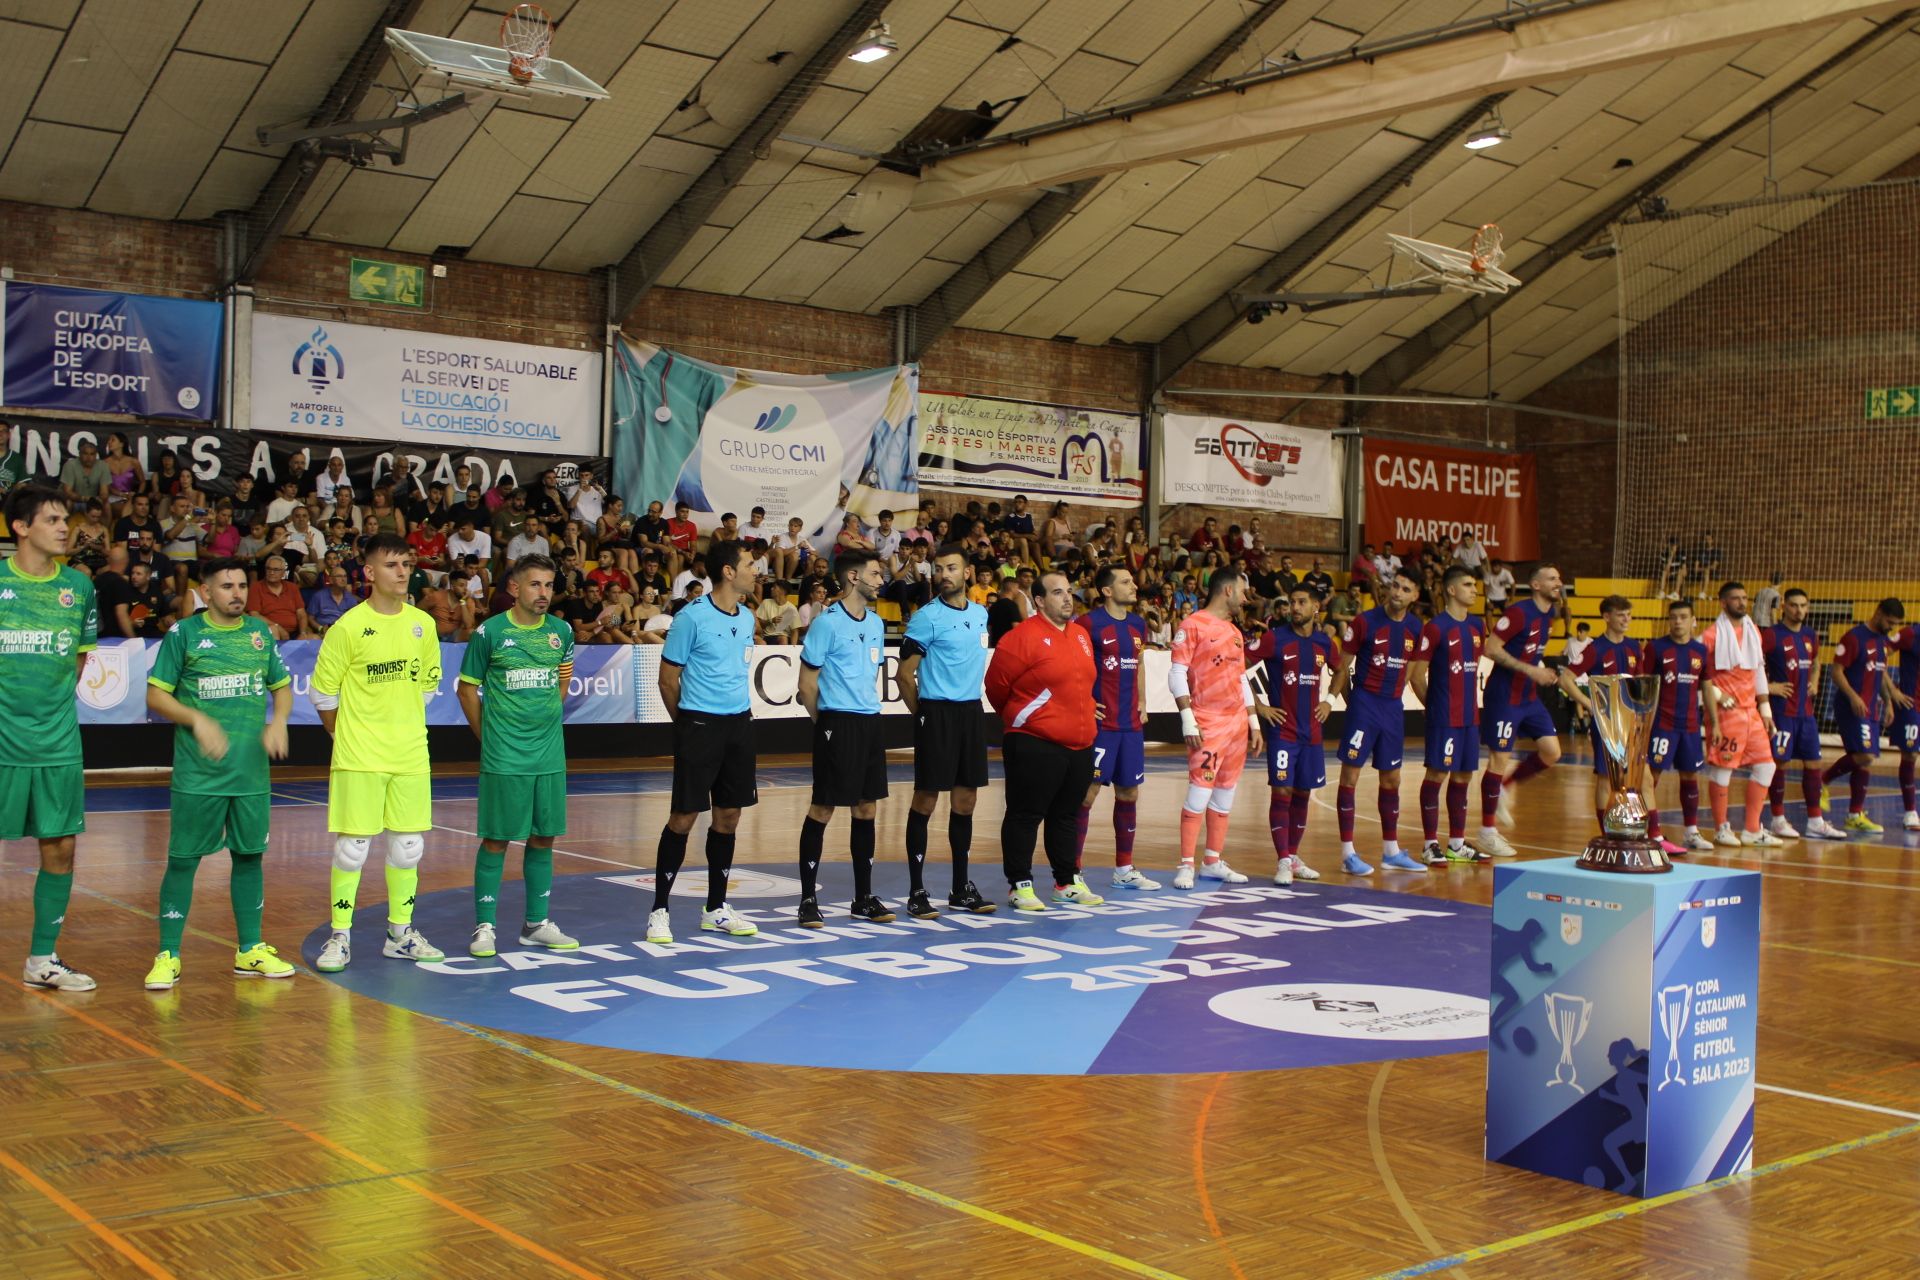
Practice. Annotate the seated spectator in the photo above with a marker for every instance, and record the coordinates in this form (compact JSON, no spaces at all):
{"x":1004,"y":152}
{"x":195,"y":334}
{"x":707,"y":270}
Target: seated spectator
{"x":984,"y":588}
{"x":430,"y":549}
{"x":451,"y":611}
{"x":682,"y":536}
{"x":1205,"y":538}
{"x":467,"y":540}
{"x":1004,"y":614}
{"x":651,"y":619}
{"x":567,"y":578}
{"x":304,"y":547}
{"x":776,"y":617}
{"x":1019,"y":527}
{"x":791,"y":551}
{"x":595,"y":620}
{"x":1318,"y":580}
{"x":278,"y":603}
{"x":327,"y":604}
{"x":1364,"y":564}
{"x":757,"y":529}
{"x":1059,"y":533}
{"x":851,"y":537}
{"x":816,"y":603}
{"x":614,"y":584}
{"x":684,"y":584}
{"x":85,"y":476}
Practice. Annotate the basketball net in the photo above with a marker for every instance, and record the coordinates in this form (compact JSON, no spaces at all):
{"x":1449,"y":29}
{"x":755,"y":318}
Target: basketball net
{"x":526,"y":33}
{"x":1485,"y":250}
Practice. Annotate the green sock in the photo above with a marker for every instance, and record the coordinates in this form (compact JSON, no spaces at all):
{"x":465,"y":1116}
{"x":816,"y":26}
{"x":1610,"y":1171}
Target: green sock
{"x":537,"y":870}
{"x":249,"y":888}
{"x":403,"y":883}
{"x":176,"y":899}
{"x":346,"y":887}
{"x":488,"y":869}
{"x":50,"y":893}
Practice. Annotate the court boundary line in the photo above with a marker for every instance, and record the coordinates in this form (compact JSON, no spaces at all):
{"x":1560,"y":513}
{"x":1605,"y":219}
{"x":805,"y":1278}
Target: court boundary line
{"x":1839,"y":1102}
{"x":1200,"y":1177}
{"x":72,"y":1208}
{"x":1376,"y":1140}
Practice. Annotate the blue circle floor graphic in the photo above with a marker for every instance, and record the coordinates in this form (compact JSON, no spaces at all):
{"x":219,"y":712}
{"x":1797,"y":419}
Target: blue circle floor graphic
{"x":1249,"y":978}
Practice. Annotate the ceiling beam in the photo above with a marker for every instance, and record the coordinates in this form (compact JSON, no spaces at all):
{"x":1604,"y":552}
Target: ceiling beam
{"x":661,"y":243}
{"x":1392,"y":370}
{"x":941,"y":310}
{"x":1199,"y":333}
{"x":263,"y":225}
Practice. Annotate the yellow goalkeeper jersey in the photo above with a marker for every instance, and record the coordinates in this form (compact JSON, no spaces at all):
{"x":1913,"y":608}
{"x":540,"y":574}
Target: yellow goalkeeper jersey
{"x":383,"y":667}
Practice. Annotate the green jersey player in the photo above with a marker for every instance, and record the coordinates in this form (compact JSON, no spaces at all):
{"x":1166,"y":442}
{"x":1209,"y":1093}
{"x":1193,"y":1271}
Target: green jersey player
{"x":48,"y":625}
{"x":213,"y":676}
{"x":513,"y":687}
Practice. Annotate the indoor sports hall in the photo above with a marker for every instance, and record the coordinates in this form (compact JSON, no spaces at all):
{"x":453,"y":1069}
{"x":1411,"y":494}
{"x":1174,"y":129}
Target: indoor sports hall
{"x":1277,"y":632}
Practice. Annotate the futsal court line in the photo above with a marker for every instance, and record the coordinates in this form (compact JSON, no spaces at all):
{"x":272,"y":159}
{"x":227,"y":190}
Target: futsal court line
{"x":875,"y":1176}
{"x":1839,"y":1102}
{"x":1843,"y":955}
{"x":632,"y":866}
{"x":1558,"y":1230}
{"x":119,"y":1243}
{"x":1200,"y":1178}
{"x":1377,"y":1142}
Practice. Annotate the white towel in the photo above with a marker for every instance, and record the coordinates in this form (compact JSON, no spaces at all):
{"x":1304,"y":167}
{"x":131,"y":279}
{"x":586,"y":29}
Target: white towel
{"x":1736,"y":646}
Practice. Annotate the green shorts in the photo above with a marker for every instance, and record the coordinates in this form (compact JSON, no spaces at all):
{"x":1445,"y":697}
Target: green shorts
{"x":365,"y":804}
{"x":514,"y":806}
{"x":208,"y":824}
{"x":42,"y":804}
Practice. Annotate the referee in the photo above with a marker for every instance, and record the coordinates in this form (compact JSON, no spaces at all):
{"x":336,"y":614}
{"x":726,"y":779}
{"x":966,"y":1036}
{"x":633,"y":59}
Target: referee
{"x":840,"y":688}
{"x":1041,"y":683}
{"x":942,"y":663}
{"x":703,"y":682}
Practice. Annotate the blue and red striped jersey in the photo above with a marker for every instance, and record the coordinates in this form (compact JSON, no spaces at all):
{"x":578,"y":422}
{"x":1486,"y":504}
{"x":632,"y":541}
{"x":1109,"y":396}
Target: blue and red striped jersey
{"x":1524,"y":629}
{"x":1117,"y":645}
{"x":1606,"y":657}
{"x":1792,"y":659}
{"x":1294,"y":664}
{"x":1681,"y":668}
{"x":1451,"y":649}
{"x":1381,"y":649}
{"x":1906,"y":642}
{"x":1862,"y":654}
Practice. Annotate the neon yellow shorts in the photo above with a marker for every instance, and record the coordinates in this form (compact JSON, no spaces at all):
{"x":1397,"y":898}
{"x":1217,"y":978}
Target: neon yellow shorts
{"x":365,"y":804}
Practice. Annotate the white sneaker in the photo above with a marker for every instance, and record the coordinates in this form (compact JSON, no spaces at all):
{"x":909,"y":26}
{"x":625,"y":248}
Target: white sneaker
{"x":483,"y":945}
{"x":1503,"y":809}
{"x":1820,"y":829}
{"x":1784,"y":829}
{"x":1726,"y":837}
{"x":1283,"y":873}
{"x":54,"y":975}
{"x":1698,"y":843}
{"x":1495,"y":844}
{"x":1761,"y":840}
{"x":1433,"y":855}
{"x":1911,"y":822}
{"x":411,"y":945}
{"x":1301,"y":871}
{"x":1183,"y":878}
{"x":659,"y":928}
{"x":1219,"y":870}
{"x":335,"y":955}
{"x":545,"y":933}
{"x":724,"y":919}
{"x":1129,"y":877}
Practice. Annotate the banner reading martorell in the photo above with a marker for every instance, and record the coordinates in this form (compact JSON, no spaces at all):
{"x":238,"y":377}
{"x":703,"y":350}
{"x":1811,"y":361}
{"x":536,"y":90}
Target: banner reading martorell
{"x":1012,"y":446}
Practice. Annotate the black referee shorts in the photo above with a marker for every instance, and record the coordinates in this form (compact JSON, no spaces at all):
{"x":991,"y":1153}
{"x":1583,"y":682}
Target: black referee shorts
{"x":949,"y":746}
{"x":849,"y":759}
{"x":714,"y":764}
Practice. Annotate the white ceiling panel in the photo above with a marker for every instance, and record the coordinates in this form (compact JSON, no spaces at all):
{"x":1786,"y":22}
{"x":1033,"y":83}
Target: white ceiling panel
{"x":26,"y":52}
{"x":56,"y":164}
{"x":249,"y":30}
{"x":178,"y":130}
{"x":108,"y":62}
{"x":369,"y":207}
{"x":523,"y":232}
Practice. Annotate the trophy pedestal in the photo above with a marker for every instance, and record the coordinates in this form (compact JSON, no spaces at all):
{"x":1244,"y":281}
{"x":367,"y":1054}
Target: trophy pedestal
{"x":1624,"y":855}
{"x":1623,"y":1020}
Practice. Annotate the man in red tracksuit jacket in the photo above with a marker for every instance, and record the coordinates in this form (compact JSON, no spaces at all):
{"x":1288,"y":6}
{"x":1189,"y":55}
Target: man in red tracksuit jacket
{"x":1041,"y":683}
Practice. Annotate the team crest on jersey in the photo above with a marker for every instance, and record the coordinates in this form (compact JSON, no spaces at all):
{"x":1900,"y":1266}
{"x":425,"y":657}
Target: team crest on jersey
{"x":1693,"y":664}
{"x":259,"y":641}
{"x":417,"y":633}
{"x":553,"y":641}
{"x":66,"y":597}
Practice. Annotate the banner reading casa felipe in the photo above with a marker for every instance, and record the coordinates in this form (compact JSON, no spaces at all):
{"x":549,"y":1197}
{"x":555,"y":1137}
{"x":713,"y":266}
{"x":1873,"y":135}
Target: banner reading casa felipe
{"x":87,"y":351}
{"x":722,"y":439}
{"x":1264,"y":466}
{"x":370,"y":383}
{"x":1009,"y":446}
{"x":1417,"y":492}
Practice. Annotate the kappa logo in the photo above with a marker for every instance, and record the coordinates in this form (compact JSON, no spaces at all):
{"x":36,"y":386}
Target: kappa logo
{"x":367,"y":634}
{"x":205,"y":644}
{"x":342,"y":904}
{"x":8,"y":594}
{"x":507,"y":643}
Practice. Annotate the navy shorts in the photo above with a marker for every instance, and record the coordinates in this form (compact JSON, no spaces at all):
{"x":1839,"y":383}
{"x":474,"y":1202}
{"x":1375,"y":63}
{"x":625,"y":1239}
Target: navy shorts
{"x":1599,"y":752}
{"x":1373,"y":732}
{"x":1686,"y":752}
{"x":1296,"y":764}
{"x":1905,"y":732}
{"x":1453,"y":750}
{"x":1796,"y":738}
{"x":1858,"y":737}
{"x":1502,"y":726}
{"x":1120,"y":757}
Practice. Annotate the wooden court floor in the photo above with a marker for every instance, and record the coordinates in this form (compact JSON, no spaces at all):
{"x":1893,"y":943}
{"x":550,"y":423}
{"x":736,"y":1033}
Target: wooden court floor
{"x":254,"y":1129}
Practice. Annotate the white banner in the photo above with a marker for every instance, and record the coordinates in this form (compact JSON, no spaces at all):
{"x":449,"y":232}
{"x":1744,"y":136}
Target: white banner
{"x":1259,"y":465}
{"x":369,"y":383}
{"x":1011,"y":446}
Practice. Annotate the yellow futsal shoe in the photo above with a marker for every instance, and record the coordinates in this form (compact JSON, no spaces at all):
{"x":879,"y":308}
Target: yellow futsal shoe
{"x":1861,"y":822}
{"x":1077,"y":894}
{"x":165,"y":972}
{"x":260,"y":961}
{"x":1023,"y":898}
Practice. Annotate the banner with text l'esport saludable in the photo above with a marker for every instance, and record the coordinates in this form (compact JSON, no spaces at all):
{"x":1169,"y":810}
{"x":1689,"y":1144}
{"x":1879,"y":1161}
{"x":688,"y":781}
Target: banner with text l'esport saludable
{"x":721,"y":439}
{"x":1012,"y":446}
{"x":327,"y":377}
{"x":90,"y":351}
{"x":1263,"y":466}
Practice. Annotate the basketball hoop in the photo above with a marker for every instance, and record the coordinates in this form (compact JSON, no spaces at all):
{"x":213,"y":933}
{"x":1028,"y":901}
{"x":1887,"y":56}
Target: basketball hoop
{"x":1485,"y":250}
{"x":526,"y":33}
{"x":1474,"y":269}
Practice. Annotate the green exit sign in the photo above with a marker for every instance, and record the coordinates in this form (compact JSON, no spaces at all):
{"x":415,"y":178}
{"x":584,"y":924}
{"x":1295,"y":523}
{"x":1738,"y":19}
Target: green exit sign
{"x":371,"y":281}
{"x":1892,"y":402}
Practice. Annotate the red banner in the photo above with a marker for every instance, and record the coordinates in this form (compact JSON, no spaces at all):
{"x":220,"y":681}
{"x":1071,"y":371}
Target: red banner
{"x":1417,"y":493}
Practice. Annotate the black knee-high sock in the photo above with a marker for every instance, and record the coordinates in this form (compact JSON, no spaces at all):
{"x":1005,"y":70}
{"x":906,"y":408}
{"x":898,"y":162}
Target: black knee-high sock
{"x":860,"y":845}
{"x":666,"y":865}
{"x":960,"y":840}
{"x":917,"y":849}
{"x":813,"y":837}
{"x":719,"y":863}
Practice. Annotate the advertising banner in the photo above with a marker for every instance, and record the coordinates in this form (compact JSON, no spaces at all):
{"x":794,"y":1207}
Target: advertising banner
{"x":371,"y":383}
{"x":1261,"y":466}
{"x":721,"y":439}
{"x":1010,"y":446}
{"x":215,"y":458}
{"x":367,"y":462}
{"x":90,"y":351}
{"x":1418,"y":492}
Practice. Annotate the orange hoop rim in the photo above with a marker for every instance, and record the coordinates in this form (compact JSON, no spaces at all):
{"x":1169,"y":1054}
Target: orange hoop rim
{"x":1485,"y":249}
{"x":526,"y":33}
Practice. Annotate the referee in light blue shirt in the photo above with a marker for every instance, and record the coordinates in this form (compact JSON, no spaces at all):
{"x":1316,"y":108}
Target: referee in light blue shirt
{"x":943,"y":666}
{"x":840,"y":688}
{"x":703,"y":682}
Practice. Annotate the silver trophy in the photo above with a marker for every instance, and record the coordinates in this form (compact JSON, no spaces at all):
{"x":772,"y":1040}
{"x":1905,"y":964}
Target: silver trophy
{"x":1623,"y":710}
{"x":1676,"y":1003}
{"x":1567,"y":1019}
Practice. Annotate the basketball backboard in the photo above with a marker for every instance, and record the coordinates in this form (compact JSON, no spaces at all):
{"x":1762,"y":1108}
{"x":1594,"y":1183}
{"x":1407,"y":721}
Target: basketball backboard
{"x":460,"y":63}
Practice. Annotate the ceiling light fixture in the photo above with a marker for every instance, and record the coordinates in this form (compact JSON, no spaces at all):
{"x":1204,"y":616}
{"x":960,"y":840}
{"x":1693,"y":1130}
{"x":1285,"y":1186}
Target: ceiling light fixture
{"x":878,"y":43}
{"x":1491,"y":134}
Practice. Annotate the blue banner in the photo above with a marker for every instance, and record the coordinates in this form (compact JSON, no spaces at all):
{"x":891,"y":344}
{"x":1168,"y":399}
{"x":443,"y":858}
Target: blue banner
{"x":89,"y":351}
